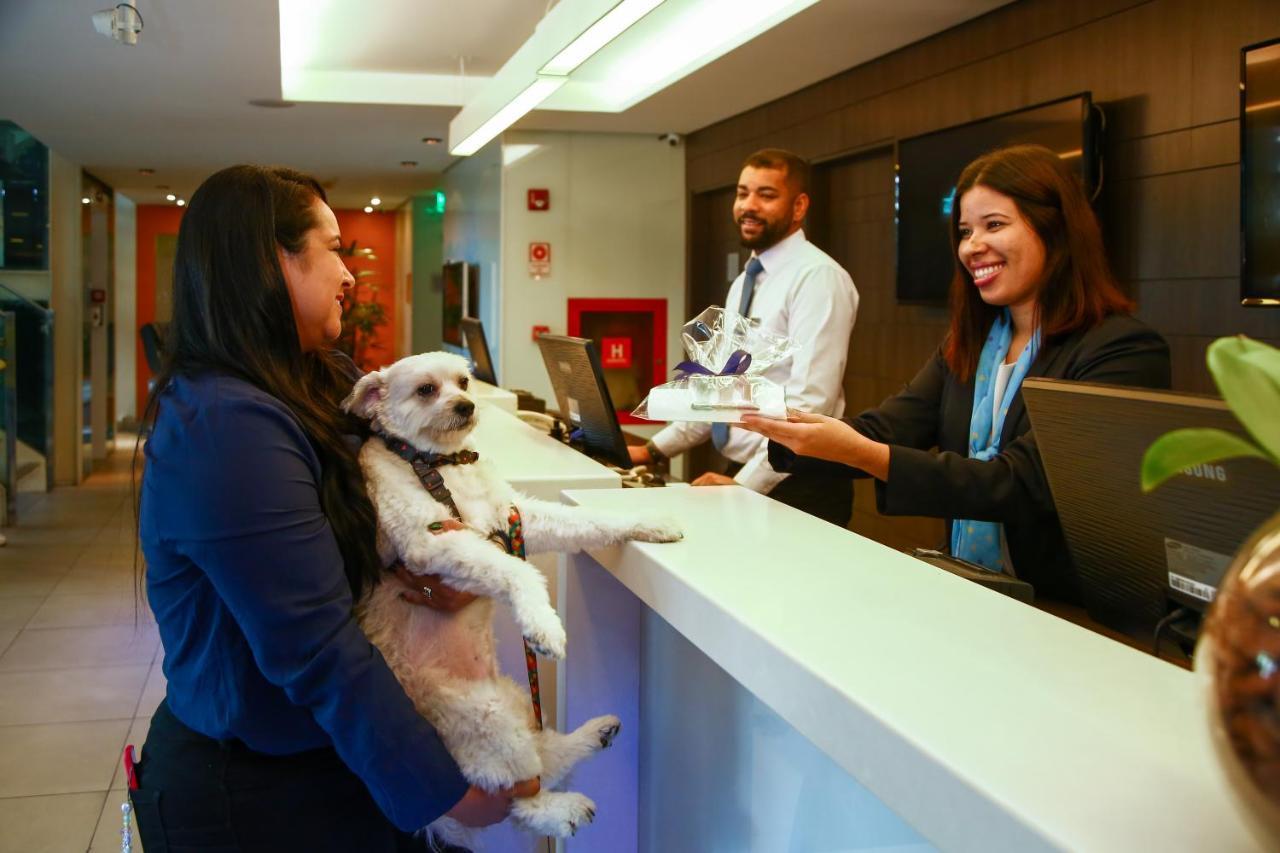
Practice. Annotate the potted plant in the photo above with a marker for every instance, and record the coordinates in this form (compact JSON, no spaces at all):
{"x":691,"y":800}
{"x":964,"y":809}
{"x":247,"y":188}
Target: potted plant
{"x":362,"y":314}
{"x":1239,"y":647}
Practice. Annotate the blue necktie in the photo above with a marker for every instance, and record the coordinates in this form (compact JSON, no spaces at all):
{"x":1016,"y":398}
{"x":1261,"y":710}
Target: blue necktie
{"x":720,"y":432}
{"x":749,"y":285}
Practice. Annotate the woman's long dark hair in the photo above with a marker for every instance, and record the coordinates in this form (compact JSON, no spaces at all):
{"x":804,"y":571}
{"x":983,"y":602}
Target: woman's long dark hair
{"x":232,"y":314}
{"x":1078,"y":290}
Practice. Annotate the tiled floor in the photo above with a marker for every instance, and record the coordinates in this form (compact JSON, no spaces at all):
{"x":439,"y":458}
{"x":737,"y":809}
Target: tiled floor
{"x":79,"y":665}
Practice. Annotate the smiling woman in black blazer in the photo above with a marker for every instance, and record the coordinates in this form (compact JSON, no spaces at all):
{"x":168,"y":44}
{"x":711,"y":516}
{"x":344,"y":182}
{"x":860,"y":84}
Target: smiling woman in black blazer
{"x":1032,"y":295}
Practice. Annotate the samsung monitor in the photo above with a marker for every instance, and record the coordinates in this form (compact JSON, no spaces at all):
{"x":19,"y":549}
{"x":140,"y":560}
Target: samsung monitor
{"x":1139,"y":556}
{"x":1260,"y":174}
{"x":478,"y":346}
{"x":929,"y":165}
{"x":573,"y":364}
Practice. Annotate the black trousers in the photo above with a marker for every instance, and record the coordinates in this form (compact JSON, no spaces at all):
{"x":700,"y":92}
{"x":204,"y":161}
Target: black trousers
{"x":199,"y":794}
{"x":826,"y":497}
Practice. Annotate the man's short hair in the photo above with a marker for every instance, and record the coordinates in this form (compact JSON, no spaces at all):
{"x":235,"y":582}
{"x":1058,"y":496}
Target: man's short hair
{"x":795,"y":167}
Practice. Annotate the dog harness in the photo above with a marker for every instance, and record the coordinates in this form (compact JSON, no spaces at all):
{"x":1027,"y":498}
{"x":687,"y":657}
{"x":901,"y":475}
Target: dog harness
{"x":427,"y":467}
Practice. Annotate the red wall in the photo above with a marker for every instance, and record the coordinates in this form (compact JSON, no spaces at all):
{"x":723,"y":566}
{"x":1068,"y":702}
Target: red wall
{"x":375,"y":231}
{"x":153,"y":220}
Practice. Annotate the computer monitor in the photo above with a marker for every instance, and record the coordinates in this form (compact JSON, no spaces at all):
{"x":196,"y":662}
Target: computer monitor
{"x":1139,"y":556}
{"x":478,"y":346}
{"x":582,"y":396}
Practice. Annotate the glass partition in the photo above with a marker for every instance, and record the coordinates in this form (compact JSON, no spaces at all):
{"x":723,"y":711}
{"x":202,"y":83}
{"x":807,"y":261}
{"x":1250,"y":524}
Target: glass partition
{"x":28,"y":335}
{"x":8,"y":415}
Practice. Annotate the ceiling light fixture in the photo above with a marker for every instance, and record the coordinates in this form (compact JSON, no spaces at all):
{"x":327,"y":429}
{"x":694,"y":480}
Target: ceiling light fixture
{"x":171,"y":197}
{"x":85,"y":200}
{"x":182,"y":202}
{"x":570,"y":34}
{"x":368,"y":209}
{"x":614,"y":23}
{"x":375,"y":201}
{"x":675,"y":41}
{"x":515,"y":109}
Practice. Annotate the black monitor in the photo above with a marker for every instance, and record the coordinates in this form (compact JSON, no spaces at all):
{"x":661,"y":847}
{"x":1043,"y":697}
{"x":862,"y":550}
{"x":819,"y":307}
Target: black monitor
{"x":478,"y":346}
{"x":929,"y":165}
{"x":582,"y":396}
{"x":1139,"y":556}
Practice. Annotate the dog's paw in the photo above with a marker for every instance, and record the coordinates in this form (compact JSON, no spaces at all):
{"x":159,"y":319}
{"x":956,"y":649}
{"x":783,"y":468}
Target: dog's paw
{"x":556,"y":813}
{"x":656,"y":530}
{"x":547,"y":639}
{"x":603,"y":729}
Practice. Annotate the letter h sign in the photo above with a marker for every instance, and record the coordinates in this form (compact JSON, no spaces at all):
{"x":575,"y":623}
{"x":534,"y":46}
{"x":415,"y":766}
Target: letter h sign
{"x":615,"y":352}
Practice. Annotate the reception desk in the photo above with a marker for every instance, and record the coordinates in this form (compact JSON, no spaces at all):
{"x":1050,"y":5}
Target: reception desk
{"x":787,"y":685}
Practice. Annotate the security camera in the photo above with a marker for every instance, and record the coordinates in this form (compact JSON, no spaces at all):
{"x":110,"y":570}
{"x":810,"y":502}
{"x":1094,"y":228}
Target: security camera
{"x":122,"y":23}
{"x":672,"y":139}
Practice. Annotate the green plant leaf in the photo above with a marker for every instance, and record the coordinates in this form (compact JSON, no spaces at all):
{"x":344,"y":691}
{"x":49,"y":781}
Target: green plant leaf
{"x":1248,"y":375}
{"x":1176,"y":451}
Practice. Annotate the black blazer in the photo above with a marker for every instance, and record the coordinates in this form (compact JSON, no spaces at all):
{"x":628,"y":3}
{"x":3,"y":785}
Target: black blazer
{"x":934,"y":411}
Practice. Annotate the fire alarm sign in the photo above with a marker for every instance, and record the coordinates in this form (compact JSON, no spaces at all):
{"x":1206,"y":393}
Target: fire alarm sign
{"x":539,"y":260}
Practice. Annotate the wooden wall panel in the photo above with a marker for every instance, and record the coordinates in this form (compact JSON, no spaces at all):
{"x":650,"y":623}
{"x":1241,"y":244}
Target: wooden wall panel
{"x":1165,"y":72}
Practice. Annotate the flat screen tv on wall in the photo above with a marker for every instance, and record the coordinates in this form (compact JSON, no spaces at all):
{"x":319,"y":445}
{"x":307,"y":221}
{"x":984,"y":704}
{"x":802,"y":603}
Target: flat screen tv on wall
{"x":928,"y":166}
{"x":461,"y":284}
{"x":1260,"y":174}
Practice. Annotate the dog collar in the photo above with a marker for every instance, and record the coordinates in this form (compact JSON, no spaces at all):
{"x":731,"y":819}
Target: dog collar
{"x":416,"y":457}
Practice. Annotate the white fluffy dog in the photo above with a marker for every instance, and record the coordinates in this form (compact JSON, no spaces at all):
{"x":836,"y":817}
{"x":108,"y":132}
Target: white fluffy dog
{"x":446,"y":661}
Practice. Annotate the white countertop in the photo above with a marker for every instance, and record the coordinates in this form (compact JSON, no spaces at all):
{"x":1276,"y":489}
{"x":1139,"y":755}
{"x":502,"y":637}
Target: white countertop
{"x":493,"y":395}
{"x":534,"y":462}
{"x":986,"y":724}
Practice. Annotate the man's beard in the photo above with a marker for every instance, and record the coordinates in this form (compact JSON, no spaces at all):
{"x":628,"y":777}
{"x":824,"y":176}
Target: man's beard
{"x":770,"y":235}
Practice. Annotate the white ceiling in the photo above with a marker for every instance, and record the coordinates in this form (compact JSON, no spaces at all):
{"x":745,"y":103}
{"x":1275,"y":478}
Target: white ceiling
{"x":177,"y":102}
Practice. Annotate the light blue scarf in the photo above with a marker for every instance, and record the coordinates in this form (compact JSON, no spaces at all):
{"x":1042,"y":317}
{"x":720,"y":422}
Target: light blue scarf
{"x":979,"y":541}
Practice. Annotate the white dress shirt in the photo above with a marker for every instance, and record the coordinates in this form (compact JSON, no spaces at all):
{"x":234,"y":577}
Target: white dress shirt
{"x":804,"y":294}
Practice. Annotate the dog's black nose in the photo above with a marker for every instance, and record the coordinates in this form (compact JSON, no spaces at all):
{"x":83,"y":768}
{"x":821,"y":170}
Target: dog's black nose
{"x":464,"y":408}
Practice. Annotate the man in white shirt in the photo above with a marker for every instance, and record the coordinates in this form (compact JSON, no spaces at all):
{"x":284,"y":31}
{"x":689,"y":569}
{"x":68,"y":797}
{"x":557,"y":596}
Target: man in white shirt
{"x":797,"y":290}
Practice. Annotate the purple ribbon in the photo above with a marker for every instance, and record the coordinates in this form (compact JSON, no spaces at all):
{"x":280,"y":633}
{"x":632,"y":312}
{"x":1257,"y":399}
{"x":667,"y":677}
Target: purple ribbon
{"x":737,"y":364}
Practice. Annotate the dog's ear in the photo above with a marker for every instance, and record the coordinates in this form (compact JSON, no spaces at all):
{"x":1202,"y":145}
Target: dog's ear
{"x":366,"y":398}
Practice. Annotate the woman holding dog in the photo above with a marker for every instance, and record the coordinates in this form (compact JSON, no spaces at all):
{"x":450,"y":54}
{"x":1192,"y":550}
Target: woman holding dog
{"x":1032,"y":295}
{"x":282,"y":728}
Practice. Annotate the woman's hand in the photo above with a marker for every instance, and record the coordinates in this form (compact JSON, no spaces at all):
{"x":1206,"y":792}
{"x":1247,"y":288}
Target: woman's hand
{"x":823,"y":437}
{"x":430,"y":590}
{"x":479,"y":808}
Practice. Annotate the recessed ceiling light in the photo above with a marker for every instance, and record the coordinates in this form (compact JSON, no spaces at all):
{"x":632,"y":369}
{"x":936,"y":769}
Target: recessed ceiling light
{"x":272,"y":103}
{"x":85,"y":200}
{"x":409,"y":164}
{"x":170,"y":197}
{"x":182,"y":202}
{"x":146,"y":171}
{"x":375,"y":201}
{"x":368,"y":209}
{"x":432,"y":140}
